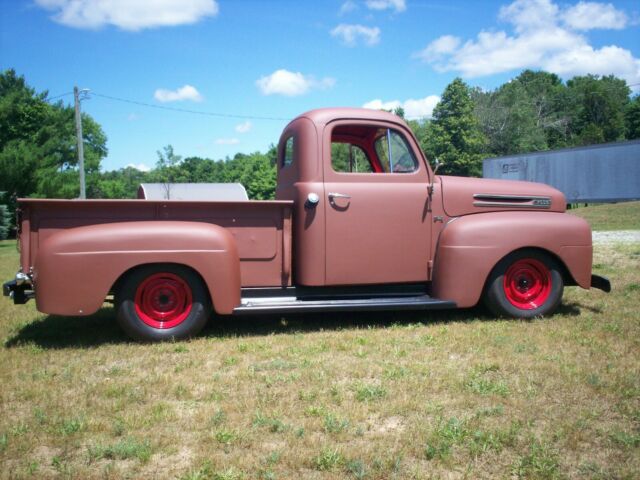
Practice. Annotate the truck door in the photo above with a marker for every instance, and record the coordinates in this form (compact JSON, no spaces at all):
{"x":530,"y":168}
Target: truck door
{"x":377,"y":221}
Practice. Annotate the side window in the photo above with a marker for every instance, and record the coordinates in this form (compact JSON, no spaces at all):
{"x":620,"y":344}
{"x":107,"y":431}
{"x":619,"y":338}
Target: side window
{"x":394,"y":153}
{"x":349,"y":158}
{"x":287,"y":154}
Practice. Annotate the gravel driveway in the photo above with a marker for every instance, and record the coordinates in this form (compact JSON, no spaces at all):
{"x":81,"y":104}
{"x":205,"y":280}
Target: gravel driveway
{"x":618,"y":236}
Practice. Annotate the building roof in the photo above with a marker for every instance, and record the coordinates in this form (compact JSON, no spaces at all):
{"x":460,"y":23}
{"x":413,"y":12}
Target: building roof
{"x":223,"y":192}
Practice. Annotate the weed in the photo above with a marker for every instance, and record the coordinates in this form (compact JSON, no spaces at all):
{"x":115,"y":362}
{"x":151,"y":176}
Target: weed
{"x":71,"y":426}
{"x":333,"y":424}
{"x":366,"y":393}
{"x":485,"y":381}
{"x":626,"y":439}
{"x":225,"y":437}
{"x":328,"y":459}
{"x":541,"y":461}
{"x":218,"y":418}
{"x":446,"y":435}
{"x":122,"y":450}
{"x":274,"y":425}
{"x":357,"y":469}
{"x":205,"y":472}
{"x":228,"y":474}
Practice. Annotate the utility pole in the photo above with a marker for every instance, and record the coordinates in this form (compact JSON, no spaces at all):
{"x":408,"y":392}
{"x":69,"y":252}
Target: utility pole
{"x":76,"y":98}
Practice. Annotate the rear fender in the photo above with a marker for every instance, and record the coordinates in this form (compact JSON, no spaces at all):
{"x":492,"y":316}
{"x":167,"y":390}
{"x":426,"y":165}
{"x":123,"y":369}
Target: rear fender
{"x":75,"y":268}
{"x":470,"y":246}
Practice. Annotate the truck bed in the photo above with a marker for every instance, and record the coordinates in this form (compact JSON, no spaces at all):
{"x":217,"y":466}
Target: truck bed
{"x":262,"y":229}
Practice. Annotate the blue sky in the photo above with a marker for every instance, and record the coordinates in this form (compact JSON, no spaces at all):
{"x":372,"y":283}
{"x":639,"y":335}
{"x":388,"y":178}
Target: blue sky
{"x":279,"y":58}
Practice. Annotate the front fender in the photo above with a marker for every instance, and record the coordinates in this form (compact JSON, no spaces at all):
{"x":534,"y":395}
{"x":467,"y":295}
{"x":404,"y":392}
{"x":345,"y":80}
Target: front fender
{"x":470,"y":246}
{"x":75,"y":268}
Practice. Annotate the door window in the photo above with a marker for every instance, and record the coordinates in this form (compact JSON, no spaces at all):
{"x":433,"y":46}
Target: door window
{"x":349,"y":158}
{"x":394,"y":153}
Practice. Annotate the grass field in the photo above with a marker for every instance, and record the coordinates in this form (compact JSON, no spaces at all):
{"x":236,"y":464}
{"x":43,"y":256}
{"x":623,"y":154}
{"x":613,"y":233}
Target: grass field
{"x":611,"y":216}
{"x":446,"y":395}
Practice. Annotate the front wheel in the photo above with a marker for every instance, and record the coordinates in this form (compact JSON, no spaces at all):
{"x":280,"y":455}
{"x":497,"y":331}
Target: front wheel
{"x":524,"y":284}
{"x":162,"y":302}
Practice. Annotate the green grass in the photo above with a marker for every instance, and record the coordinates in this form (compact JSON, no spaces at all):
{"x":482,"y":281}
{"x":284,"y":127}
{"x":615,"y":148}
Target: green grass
{"x":610,"y":216}
{"x":376,"y":396}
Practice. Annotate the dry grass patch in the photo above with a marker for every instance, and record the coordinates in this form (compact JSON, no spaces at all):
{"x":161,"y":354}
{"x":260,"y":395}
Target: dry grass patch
{"x":449,"y":394}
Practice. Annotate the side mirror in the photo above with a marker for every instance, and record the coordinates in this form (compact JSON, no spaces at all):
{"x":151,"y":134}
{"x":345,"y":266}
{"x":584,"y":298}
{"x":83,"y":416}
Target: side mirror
{"x":437,"y":166}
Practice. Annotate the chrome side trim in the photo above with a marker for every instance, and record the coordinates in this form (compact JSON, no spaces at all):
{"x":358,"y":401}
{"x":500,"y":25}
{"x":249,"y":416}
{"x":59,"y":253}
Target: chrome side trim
{"x":511,"y":201}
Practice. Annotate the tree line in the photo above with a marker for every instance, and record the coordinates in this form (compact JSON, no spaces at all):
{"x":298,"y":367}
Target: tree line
{"x":534,"y":111}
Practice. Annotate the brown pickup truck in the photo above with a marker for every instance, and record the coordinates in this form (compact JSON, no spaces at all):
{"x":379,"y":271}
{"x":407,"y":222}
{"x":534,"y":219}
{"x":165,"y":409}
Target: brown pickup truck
{"x":360,"y":222}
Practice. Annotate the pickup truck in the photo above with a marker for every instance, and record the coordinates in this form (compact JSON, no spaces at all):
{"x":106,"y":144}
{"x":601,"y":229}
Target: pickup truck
{"x":360,"y":222}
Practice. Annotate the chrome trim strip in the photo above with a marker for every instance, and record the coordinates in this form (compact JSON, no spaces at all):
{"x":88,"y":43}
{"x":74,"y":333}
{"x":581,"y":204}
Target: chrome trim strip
{"x":510,"y":205}
{"x":511,"y":201}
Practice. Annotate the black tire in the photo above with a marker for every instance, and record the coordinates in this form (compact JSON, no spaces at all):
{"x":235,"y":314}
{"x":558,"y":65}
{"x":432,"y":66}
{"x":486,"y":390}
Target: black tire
{"x":524,"y":284}
{"x":162,"y":302}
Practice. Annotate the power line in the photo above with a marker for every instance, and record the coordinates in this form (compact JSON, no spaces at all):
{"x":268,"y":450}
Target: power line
{"x":58,"y":96}
{"x":185,"y":110}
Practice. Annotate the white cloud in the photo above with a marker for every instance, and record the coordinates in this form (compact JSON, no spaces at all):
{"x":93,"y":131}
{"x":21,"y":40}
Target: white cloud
{"x":350,"y":34}
{"x":244,"y":127}
{"x":397,"y":5}
{"x":348,"y":6}
{"x":227,"y":141}
{"x":542,"y":39}
{"x":421,"y":108}
{"x":291,"y":84}
{"x":186,"y":92}
{"x":528,"y":14}
{"x":133,"y":116}
{"x":139,"y":166}
{"x":590,"y":15}
{"x":130,"y":15}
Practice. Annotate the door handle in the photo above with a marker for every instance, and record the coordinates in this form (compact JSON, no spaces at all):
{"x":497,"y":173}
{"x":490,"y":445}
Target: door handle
{"x":333,"y":195}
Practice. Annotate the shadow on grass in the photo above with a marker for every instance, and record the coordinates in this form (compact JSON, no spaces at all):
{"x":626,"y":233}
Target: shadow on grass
{"x":53,"y":332}
{"x":70,"y":332}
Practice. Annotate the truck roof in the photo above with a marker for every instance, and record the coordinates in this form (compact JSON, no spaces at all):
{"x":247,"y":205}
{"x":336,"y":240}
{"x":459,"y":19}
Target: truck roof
{"x":326,"y":115}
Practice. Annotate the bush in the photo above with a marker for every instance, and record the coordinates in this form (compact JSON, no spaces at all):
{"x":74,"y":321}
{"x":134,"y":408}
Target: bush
{"x":5,"y":222}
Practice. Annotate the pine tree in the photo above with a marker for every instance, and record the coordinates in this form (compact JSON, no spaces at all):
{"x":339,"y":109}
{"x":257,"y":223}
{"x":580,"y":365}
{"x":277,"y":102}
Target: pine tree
{"x":454,"y":136}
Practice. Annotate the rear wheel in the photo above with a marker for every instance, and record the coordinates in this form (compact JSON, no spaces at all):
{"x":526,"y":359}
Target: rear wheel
{"x":524,"y":284}
{"x":162,"y":302}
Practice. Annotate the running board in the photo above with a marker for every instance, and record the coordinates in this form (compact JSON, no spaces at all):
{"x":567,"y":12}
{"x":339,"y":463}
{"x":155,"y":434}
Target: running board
{"x":252,"y":306}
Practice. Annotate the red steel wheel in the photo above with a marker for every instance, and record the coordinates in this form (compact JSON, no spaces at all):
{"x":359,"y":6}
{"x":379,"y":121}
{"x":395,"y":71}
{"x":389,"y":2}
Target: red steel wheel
{"x":527,"y":283}
{"x":162,"y":302}
{"x":524,"y":284}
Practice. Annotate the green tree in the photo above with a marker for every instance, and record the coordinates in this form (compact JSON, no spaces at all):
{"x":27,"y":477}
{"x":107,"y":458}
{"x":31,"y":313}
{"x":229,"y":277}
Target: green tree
{"x":632,"y":119}
{"x":526,"y":114}
{"x":38,"y":144}
{"x":454,"y":136}
{"x":597,"y":108}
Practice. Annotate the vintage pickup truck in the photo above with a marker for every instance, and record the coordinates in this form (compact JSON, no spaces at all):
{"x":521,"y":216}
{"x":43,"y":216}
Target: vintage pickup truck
{"x":360,"y":222}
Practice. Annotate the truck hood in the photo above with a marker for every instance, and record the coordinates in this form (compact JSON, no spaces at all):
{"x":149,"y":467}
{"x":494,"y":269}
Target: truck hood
{"x":462,"y":196}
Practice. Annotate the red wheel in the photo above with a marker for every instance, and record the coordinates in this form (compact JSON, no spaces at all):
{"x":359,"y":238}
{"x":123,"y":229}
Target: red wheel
{"x":162,"y":302}
{"x":527,"y":284}
{"x":524,"y":284}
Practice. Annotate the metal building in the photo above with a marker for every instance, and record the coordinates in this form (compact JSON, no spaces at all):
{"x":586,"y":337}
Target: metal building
{"x":223,"y":192}
{"x":608,"y":172}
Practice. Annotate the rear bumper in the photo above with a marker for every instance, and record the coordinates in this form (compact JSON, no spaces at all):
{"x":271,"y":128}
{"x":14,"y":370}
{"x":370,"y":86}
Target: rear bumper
{"x":20,"y":294}
{"x":601,"y":283}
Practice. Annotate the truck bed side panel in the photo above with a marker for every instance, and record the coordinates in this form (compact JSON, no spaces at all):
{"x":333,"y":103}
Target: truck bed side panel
{"x":258,"y":228}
